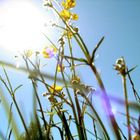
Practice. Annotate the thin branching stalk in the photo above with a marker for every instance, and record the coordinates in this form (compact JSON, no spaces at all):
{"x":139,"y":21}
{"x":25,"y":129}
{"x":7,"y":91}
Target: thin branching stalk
{"x":76,"y":38}
{"x":36,"y":116}
{"x":70,"y":98}
{"x":40,"y":106}
{"x":34,"y":86}
{"x":126,"y":106}
{"x":82,"y":133}
{"x":61,"y":115}
{"x":89,"y":60}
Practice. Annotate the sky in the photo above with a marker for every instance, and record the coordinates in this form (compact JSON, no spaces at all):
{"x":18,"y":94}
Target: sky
{"x":118,"y":21}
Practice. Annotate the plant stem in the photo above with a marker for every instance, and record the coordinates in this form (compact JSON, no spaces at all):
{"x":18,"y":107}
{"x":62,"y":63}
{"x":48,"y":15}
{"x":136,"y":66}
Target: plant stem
{"x":40,"y":106}
{"x":106,"y":101}
{"x":11,"y":92}
{"x":126,"y":106}
{"x":82,"y":133}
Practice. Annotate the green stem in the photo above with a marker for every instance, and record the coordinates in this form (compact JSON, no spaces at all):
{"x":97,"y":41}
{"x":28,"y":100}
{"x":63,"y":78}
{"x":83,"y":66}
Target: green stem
{"x":126,"y":106}
{"x":40,"y":106}
{"x":107,"y":102}
{"x":23,"y":122}
{"x":39,"y":102}
{"x":87,"y":55}
{"x":11,"y":92}
{"x":82,"y":133}
{"x":80,"y":42}
{"x":72,"y":105}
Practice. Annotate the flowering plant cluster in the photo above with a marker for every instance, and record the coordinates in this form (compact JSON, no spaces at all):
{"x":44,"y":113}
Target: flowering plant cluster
{"x":69,"y":98}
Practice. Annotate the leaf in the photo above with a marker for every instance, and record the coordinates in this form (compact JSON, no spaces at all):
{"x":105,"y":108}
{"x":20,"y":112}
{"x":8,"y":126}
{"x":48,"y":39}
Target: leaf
{"x":132,"y":84}
{"x":95,"y":49}
{"x":7,"y":77}
{"x":131,"y":69}
{"x":76,"y":59}
{"x":17,"y":88}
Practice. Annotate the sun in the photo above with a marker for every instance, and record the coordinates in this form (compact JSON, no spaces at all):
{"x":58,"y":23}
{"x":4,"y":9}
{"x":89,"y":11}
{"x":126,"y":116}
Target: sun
{"x":22,"y":26}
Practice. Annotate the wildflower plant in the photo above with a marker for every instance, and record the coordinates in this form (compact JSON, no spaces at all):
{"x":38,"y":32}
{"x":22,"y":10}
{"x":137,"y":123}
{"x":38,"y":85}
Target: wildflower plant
{"x":70,"y":99}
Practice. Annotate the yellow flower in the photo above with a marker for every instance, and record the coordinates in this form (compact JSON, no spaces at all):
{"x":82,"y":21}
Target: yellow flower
{"x":49,"y":52}
{"x":136,"y":137}
{"x":69,"y":4}
{"x":65,"y":14}
{"x":74,"y":17}
{"x":68,"y":34}
{"x":60,"y":67}
{"x":56,"y":88}
{"x":28,"y":53}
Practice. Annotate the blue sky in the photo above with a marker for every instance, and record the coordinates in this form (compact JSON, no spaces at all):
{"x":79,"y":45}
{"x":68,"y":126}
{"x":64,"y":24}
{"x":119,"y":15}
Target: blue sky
{"x":119,"y":22}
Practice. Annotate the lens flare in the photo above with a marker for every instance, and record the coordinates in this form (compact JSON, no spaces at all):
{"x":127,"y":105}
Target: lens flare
{"x":22,"y":26}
